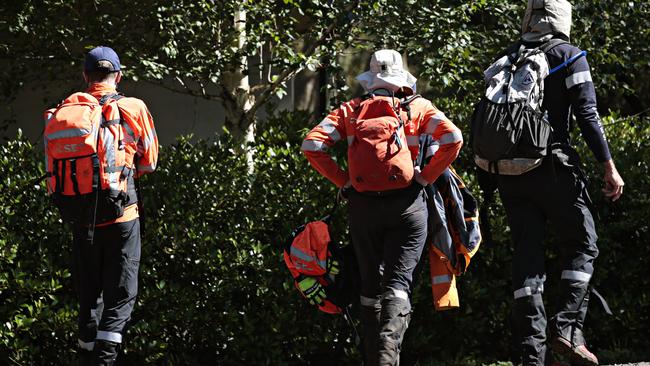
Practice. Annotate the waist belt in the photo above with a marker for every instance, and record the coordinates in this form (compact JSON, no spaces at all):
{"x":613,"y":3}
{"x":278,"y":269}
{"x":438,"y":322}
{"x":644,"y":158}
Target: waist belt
{"x":516,"y":166}
{"x":414,"y":187}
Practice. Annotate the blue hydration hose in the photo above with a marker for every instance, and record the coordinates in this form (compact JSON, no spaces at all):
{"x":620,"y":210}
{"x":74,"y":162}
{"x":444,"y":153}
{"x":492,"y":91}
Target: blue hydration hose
{"x":567,"y":62}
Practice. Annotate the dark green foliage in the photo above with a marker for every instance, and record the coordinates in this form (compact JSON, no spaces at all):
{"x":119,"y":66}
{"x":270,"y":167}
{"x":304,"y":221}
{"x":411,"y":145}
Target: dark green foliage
{"x":36,"y":296}
{"x":214,"y":289}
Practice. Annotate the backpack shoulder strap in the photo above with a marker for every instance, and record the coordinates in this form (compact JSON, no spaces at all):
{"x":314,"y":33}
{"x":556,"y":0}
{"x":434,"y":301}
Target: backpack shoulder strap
{"x":551,"y":44}
{"x":406,"y":101}
{"x":114,"y":96}
{"x":511,"y":49}
{"x":405,"y":104}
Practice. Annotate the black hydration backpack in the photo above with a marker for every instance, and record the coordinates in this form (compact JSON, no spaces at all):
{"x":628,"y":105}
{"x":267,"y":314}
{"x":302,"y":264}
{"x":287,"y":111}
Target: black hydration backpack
{"x":510,"y":132}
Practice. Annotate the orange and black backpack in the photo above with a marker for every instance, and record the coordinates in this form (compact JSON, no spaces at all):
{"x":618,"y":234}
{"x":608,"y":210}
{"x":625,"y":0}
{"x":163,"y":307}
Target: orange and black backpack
{"x":89,"y":173}
{"x":378,"y":155}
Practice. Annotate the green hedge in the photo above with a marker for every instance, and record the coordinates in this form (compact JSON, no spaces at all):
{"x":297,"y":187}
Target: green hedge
{"x":214,"y":289}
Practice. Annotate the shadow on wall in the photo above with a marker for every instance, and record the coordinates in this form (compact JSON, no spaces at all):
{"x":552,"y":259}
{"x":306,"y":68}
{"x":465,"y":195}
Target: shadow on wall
{"x":174,"y":113}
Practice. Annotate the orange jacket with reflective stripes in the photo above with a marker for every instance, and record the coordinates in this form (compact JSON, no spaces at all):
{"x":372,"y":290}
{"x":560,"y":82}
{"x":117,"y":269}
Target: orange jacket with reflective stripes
{"x":137,"y":134}
{"x":425,"y":119}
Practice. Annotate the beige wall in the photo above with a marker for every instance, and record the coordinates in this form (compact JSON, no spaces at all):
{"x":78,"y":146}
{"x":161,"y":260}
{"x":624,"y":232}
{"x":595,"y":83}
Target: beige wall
{"x":174,"y":113}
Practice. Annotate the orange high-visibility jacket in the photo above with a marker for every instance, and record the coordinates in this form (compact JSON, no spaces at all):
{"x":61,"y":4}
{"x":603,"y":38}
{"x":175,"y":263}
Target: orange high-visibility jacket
{"x":307,"y":255}
{"x":454,"y":236}
{"x":137,"y":136}
{"x":425,"y":119}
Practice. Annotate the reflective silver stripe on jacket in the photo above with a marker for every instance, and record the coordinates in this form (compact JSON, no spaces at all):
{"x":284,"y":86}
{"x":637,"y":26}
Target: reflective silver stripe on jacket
{"x":330,"y":129}
{"x":313,"y":145}
{"x":576,"y":276}
{"x":350,"y":140}
{"x":103,"y":335}
{"x":148,"y":139}
{"x":306,"y":257}
{"x":67,"y":133}
{"x":451,"y":138}
{"x":432,"y":149}
{"x":47,"y":120}
{"x":435,"y":121}
{"x":128,"y":130}
{"x":436,"y":280}
{"x":114,"y":169}
{"x":577,"y":78}
{"x":108,"y":140}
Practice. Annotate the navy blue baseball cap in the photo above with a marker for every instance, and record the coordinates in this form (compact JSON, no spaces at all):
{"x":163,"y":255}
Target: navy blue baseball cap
{"x":95,"y":57}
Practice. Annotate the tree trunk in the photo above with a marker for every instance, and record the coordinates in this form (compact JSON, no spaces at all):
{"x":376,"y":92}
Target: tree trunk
{"x":238,"y":99}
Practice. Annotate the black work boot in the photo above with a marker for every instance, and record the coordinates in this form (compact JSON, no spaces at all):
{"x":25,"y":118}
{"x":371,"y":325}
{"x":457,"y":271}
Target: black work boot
{"x":370,"y":320}
{"x":394,"y":319}
{"x":105,"y":352}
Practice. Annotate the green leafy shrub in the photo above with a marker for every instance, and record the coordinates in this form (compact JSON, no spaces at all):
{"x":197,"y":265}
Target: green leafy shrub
{"x":214,"y":289}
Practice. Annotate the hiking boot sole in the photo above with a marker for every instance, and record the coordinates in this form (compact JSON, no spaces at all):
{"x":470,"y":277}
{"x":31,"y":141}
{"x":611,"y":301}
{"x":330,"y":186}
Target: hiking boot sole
{"x":575,"y":357}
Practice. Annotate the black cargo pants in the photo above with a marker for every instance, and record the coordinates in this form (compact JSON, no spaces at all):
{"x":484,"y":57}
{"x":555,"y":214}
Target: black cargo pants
{"x":106,"y":280}
{"x":556,"y":193}
{"x":388,"y":234}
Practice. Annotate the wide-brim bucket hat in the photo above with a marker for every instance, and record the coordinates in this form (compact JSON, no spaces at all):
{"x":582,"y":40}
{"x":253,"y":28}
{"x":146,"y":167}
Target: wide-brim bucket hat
{"x":386,"y":72}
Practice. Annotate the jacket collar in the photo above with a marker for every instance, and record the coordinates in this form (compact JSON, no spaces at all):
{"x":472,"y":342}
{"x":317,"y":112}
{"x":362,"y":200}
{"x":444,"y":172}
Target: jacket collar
{"x":99,"y":89}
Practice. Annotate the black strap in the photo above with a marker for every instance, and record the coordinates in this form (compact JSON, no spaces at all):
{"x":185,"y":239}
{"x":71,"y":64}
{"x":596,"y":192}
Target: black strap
{"x":63,"y":167}
{"x":141,"y":211}
{"x":73,"y":176}
{"x":55,"y":172}
{"x":406,"y":104}
{"x":603,"y":303}
{"x":328,"y":219}
{"x":111,"y":122}
{"x":551,"y":44}
{"x":106,"y":97}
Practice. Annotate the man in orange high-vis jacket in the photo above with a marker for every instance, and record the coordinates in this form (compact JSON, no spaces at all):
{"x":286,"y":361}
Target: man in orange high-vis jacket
{"x":387,"y":208}
{"x":106,"y":272}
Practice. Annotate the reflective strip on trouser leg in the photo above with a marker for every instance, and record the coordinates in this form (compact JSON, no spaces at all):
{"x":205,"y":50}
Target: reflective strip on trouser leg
{"x":395,"y":315}
{"x":369,"y":301}
{"x":120,"y":277}
{"x":103,"y":335}
{"x":528,"y":291}
{"x":400,"y":294}
{"x":576,"y":276}
{"x":529,"y":320}
{"x":88,"y":346}
{"x":573,"y":298}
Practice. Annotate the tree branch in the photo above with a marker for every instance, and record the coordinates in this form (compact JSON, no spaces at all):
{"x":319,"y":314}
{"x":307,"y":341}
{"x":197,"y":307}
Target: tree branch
{"x":187,"y":91}
{"x":291,"y":71}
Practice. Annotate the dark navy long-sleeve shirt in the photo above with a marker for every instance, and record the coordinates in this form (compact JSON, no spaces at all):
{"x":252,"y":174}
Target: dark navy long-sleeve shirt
{"x":571,"y":90}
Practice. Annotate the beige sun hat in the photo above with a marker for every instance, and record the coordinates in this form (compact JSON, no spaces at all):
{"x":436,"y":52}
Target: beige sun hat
{"x":386,"y":71}
{"x":546,"y":18}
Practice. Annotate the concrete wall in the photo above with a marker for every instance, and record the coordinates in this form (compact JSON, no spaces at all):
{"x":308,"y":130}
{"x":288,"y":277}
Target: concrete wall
{"x":174,"y":113}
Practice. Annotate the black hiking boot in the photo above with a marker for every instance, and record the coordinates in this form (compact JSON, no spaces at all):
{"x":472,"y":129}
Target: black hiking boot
{"x":574,"y":350}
